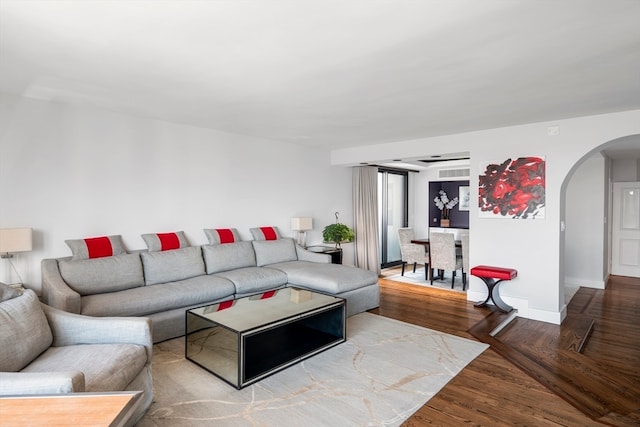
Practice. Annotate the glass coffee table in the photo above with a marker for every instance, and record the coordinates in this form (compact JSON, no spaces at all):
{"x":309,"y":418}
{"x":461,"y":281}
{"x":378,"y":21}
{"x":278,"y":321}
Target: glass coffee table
{"x":242,"y":341}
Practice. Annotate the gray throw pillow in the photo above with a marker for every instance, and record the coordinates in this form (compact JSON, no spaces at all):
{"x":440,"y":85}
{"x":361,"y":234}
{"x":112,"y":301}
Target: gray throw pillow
{"x":171,"y":266}
{"x":24,"y":331}
{"x":7,"y":292}
{"x":227,"y":257}
{"x":274,"y":251}
{"x":100,"y":275}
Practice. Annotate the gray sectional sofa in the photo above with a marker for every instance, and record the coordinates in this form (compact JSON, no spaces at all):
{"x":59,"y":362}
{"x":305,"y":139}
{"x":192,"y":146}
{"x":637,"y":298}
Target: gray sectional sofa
{"x":161,"y":285}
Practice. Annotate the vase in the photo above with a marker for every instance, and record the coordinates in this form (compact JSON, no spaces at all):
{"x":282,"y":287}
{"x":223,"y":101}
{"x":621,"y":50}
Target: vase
{"x":444,"y":222}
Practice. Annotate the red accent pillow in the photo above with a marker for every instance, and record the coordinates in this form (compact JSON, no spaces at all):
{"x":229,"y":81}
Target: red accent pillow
{"x":165,"y":241}
{"x":225,"y":235}
{"x":168,"y":241}
{"x":269,"y":233}
{"x":218,"y":236}
{"x":96,"y":247}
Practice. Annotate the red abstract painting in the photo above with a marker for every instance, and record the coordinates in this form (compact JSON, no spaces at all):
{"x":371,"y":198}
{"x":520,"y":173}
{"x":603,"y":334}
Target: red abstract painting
{"x":513,"y":189}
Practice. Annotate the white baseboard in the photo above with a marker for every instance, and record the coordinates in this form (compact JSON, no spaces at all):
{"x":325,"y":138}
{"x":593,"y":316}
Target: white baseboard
{"x":576,"y":281}
{"x":563,"y":313}
{"x":523,"y":308}
{"x":554,"y":317}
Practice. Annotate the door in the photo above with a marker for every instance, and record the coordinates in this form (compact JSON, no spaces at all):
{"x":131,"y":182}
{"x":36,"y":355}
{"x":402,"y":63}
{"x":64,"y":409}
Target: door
{"x":625,"y":251}
{"x":392,"y":211}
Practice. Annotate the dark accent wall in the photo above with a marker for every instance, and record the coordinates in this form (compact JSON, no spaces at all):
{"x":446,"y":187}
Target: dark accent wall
{"x":458,"y":218}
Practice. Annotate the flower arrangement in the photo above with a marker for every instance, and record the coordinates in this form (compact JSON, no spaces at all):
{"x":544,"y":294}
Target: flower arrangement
{"x":444,"y":203}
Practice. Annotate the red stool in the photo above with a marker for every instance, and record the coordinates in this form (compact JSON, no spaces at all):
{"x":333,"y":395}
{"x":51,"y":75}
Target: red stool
{"x":492,"y":276}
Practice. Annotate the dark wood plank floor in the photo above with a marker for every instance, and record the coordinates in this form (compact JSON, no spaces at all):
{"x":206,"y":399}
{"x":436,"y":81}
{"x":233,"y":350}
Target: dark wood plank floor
{"x":533,"y":374}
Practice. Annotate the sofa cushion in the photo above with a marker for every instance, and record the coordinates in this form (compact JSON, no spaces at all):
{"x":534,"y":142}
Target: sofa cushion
{"x":329,"y":278}
{"x":255,"y":279}
{"x":274,"y":251}
{"x":96,"y":247}
{"x":165,"y":241}
{"x":24,"y":331}
{"x":228,"y":257}
{"x":265,"y":233}
{"x":7,"y":292}
{"x":219,"y":236}
{"x":106,"y":367}
{"x":162,"y":297}
{"x":109,"y":274}
{"x":169,"y":266}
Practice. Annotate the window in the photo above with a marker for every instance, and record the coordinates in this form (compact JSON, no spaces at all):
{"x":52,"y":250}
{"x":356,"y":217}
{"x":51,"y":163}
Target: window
{"x":393,"y":202}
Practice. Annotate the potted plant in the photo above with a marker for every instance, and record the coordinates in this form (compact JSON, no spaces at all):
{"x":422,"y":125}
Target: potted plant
{"x":338,"y":233}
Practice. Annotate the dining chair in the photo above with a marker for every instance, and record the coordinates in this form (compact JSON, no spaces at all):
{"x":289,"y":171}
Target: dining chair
{"x":464,"y":239}
{"x":412,"y":253}
{"x":442,"y":248}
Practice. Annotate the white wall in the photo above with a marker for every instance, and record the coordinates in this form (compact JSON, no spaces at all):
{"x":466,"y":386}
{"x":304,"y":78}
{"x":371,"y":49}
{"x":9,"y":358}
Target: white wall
{"x":77,"y":172}
{"x":532,"y":247}
{"x":585,"y":233}
{"x":626,"y":170}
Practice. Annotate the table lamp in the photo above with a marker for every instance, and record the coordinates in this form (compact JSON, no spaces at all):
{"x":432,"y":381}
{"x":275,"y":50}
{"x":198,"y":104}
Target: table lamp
{"x":301,"y":225}
{"x":13,"y":240}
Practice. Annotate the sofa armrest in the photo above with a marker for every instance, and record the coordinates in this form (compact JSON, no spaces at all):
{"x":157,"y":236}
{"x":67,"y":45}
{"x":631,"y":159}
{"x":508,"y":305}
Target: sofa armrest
{"x":55,"y":291}
{"x":73,"y":329}
{"x":305,"y":255}
{"x":28,"y":383}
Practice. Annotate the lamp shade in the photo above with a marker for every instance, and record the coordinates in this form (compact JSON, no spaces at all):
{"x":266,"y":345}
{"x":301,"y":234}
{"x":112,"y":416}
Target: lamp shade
{"x":301,"y":224}
{"x":15,"y":240}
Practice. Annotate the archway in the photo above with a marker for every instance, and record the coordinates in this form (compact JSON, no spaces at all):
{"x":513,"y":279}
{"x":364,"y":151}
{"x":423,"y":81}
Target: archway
{"x":585,"y":240}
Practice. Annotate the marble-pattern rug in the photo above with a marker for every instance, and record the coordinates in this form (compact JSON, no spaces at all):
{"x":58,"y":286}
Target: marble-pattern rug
{"x":382,"y":374}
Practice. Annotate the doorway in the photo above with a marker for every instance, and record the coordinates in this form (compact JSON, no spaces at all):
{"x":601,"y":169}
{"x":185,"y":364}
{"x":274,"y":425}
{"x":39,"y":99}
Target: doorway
{"x":393,"y":202}
{"x":625,"y":259}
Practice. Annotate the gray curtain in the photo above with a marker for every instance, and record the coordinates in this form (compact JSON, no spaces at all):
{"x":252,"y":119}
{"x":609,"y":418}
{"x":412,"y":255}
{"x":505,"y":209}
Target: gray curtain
{"x":365,"y":212}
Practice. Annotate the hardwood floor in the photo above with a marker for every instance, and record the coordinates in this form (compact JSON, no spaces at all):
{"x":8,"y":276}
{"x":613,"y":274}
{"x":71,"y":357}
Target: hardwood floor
{"x":583,"y":373}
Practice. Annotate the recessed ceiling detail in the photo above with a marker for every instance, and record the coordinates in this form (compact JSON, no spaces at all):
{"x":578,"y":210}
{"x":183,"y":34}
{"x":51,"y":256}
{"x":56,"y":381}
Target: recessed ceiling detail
{"x":439,"y":159}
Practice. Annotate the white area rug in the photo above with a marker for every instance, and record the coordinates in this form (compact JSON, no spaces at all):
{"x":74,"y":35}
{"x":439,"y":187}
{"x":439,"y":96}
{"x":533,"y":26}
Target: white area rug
{"x":385,"y":372}
{"x":417,"y":278}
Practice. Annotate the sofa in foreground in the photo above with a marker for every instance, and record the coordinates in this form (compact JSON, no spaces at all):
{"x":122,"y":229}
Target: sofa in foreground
{"x":47,"y":351}
{"x":171,"y":277}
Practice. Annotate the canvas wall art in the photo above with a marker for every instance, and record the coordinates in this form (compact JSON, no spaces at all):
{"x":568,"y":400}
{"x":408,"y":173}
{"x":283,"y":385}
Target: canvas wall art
{"x":514,"y":188}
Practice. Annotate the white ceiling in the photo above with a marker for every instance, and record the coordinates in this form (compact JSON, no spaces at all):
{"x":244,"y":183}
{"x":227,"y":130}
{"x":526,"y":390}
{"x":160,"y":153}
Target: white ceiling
{"x":328,"y":73}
